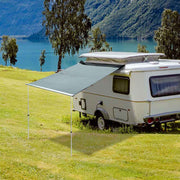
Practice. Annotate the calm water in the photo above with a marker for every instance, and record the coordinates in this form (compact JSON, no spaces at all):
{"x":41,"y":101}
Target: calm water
{"x":29,"y":53}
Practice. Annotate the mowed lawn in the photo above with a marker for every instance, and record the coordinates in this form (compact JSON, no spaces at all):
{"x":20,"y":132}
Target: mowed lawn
{"x":96,"y":155}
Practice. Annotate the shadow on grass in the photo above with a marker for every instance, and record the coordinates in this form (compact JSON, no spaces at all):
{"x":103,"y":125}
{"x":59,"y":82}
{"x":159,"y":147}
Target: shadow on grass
{"x":89,"y":143}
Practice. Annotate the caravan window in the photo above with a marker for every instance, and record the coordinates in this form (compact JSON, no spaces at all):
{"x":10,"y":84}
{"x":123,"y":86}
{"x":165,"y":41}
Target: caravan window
{"x":121,"y":84}
{"x":165,"y":85}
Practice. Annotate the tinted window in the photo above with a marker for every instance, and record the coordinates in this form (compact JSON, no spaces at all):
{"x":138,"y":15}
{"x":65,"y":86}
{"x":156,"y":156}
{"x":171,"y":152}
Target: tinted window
{"x":121,"y":84}
{"x":165,"y":85}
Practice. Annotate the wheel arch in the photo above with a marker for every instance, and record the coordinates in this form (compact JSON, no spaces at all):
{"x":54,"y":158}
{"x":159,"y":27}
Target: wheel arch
{"x":101,"y":111}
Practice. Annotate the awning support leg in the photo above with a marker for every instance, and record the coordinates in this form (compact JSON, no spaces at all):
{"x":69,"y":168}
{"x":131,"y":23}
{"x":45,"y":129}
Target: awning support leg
{"x":71,"y":122}
{"x":28,"y":108}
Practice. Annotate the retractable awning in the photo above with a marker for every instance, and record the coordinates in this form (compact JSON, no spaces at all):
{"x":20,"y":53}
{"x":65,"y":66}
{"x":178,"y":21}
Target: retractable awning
{"x":74,"y":79}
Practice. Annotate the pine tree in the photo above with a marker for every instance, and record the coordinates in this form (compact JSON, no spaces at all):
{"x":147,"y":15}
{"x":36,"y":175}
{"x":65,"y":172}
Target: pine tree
{"x":168,"y":35}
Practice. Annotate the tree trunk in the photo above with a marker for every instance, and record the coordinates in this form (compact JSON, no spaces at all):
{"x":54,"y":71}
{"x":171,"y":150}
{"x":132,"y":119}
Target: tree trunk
{"x":59,"y":63}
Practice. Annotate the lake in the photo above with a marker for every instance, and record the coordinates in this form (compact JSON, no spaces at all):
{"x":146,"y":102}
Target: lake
{"x":29,"y":53}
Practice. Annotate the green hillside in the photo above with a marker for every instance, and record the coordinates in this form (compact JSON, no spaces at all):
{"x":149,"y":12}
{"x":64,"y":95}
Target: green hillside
{"x":135,"y":19}
{"x":116,"y":18}
{"x":126,"y":18}
{"x":19,"y":17}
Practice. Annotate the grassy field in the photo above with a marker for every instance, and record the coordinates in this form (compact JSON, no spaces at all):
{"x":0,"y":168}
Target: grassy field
{"x":96,"y":155}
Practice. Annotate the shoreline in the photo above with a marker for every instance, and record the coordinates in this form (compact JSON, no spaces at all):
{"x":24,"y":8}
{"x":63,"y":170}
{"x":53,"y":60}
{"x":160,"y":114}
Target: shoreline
{"x":16,"y":36}
{"x":45,"y":39}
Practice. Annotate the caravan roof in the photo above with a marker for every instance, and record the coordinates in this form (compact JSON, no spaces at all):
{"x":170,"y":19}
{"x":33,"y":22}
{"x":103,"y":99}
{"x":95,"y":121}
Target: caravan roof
{"x":153,"y":65}
{"x":121,"y":57}
{"x":133,"y":61}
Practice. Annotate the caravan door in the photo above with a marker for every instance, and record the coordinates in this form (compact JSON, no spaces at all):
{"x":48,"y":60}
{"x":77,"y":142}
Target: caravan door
{"x":121,"y":86}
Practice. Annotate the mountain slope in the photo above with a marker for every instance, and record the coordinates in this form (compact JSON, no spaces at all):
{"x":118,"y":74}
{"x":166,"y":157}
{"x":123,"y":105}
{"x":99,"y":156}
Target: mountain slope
{"x":138,"y":18}
{"x":19,"y":17}
{"x":116,"y":18}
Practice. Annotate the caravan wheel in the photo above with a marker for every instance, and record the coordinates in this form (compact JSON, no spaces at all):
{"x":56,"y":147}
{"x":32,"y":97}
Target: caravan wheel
{"x":101,"y":123}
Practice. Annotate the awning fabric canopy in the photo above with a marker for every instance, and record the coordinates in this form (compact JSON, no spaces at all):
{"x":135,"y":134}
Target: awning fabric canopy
{"x":74,"y":79}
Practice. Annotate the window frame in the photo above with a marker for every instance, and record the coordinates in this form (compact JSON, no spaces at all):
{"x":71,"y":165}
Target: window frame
{"x":121,"y":77}
{"x":150,"y":84}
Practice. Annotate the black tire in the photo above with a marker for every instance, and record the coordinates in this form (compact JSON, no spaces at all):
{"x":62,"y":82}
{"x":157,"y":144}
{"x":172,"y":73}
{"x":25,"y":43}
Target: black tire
{"x":101,"y":122}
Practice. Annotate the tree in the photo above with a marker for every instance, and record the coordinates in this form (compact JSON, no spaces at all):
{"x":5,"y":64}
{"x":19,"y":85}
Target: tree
{"x":99,"y":41}
{"x":9,"y":49}
{"x":12,"y":51}
{"x":66,"y":26}
{"x":168,"y":35}
{"x":4,"y":48}
{"x":42,"y":59}
{"x":142,"y":48}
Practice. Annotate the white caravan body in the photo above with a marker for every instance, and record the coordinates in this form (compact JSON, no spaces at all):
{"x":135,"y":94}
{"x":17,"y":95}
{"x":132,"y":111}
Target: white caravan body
{"x":145,"y":90}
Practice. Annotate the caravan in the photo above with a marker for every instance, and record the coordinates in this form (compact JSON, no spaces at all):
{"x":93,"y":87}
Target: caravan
{"x":138,"y":89}
{"x":143,"y":89}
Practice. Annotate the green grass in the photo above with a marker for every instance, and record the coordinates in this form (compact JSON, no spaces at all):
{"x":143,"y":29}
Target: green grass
{"x":96,"y":155}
